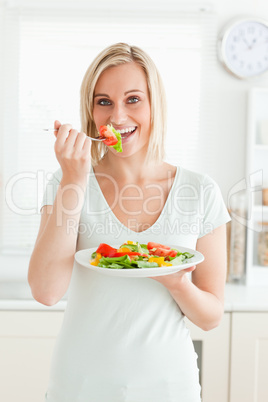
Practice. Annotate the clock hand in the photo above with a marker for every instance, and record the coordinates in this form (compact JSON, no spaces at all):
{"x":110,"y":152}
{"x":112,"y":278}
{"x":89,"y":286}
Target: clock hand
{"x":246,"y":42}
{"x":258,"y":44}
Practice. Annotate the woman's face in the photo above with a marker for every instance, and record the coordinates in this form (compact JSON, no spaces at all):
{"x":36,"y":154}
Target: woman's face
{"x":121,"y":98}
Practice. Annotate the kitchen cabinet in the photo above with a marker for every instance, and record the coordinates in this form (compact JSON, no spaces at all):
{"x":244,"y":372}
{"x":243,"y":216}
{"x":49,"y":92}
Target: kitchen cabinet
{"x":233,"y":358}
{"x":256,"y":180}
{"x":213,"y":349}
{"x":249,"y":357}
{"x":27,"y":340}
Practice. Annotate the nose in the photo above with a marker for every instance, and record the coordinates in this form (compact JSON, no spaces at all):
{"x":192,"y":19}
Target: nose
{"x":118,"y":116}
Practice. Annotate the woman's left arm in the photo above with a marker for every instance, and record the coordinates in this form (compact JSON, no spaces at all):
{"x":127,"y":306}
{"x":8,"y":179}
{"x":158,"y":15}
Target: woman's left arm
{"x":202,"y":299}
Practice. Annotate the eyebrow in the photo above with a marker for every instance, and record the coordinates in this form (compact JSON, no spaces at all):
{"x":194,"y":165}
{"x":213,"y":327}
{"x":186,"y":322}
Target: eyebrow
{"x":127,"y":92}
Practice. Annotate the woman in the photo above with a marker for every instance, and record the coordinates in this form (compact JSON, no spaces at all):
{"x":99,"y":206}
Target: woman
{"x":124,"y":339}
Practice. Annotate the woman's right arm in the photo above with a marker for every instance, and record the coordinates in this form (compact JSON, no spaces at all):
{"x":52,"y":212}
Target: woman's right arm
{"x":51,"y":263}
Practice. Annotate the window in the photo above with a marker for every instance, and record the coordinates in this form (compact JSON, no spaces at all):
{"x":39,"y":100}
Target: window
{"x":46,"y":53}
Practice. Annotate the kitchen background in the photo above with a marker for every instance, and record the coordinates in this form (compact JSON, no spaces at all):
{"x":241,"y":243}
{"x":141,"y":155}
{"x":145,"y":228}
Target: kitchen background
{"x":214,"y":121}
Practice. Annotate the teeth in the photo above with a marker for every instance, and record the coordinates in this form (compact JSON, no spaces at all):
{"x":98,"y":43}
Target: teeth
{"x":126,"y":130}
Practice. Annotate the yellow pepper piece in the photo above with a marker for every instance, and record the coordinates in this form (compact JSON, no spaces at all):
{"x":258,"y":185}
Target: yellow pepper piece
{"x":166,"y":264}
{"x":96,"y":260}
{"x":123,"y":250}
{"x":158,"y":260}
{"x":130,"y":242}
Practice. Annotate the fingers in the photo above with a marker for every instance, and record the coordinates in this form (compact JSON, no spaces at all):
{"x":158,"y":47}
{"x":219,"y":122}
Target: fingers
{"x":175,"y":275}
{"x":77,"y":142}
{"x":63,"y":133}
{"x":72,"y":149}
{"x":71,"y":139}
{"x":190,"y":269}
{"x":57,"y":125}
{"x":80,"y":140}
{"x":71,"y":142}
{"x":87,"y":145}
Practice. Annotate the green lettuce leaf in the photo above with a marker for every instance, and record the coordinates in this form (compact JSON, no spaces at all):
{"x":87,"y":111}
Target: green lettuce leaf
{"x":124,"y":262}
{"x":118,"y":145}
{"x":188,"y":255}
{"x":112,"y":266}
{"x":146,"y":264}
{"x":177,"y":260}
{"x":181,"y":258}
{"x":133,"y":247}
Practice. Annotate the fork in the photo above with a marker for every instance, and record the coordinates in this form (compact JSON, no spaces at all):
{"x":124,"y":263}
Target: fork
{"x":92,"y":138}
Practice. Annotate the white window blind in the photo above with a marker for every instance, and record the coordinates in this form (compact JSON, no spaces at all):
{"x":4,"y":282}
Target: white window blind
{"x":46,"y":53}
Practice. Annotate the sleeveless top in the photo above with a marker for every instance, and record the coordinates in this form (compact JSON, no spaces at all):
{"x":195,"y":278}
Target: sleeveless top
{"x":124,"y":339}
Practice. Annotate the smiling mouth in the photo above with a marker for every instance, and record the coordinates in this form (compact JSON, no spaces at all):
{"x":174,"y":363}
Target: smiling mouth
{"x":128,"y":133}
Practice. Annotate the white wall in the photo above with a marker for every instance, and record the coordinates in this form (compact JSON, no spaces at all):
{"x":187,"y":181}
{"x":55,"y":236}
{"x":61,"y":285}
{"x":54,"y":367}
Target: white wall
{"x":231,"y":100}
{"x":230,"y":93}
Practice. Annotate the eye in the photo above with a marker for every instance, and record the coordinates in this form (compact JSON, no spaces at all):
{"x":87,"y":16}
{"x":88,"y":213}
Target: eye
{"x":104,"y":102}
{"x":133,"y":99}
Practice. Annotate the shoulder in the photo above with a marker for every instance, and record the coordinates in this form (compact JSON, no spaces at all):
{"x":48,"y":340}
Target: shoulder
{"x":186,"y":176}
{"x":196,"y":185}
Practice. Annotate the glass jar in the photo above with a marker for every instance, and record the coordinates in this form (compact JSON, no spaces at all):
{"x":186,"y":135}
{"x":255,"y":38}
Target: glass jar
{"x":263,"y":244}
{"x":238,"y":214}
{"x":265,"y":196}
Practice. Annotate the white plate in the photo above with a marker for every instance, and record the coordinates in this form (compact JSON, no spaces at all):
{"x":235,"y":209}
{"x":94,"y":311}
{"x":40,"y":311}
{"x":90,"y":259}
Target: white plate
{"x":83,"y":258}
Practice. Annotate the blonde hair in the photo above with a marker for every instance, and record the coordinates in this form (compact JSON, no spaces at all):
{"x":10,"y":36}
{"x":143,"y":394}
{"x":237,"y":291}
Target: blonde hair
{"x":115,"y":55}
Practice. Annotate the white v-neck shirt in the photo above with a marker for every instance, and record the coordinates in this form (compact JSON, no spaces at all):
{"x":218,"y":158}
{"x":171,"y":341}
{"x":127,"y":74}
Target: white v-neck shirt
{"x":124,"y":339}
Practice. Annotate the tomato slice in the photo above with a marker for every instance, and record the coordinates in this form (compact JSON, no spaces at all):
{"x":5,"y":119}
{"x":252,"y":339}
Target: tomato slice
{"x":160,"y":250}
{"x":151,"y":245}
{"x":130,"y":253}
{"x":110,"y":141}
{"x":106,"y":132}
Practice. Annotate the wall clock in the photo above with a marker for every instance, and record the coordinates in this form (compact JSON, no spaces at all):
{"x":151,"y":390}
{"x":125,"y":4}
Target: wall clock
{"x":243,"y":47}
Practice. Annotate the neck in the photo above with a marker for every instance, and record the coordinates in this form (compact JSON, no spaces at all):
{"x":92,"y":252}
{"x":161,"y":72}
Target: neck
{"x":132,"y":167}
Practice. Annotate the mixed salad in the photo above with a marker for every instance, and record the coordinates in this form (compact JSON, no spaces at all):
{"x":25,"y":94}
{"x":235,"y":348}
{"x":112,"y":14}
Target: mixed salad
{"x":112,"y":137}
{"x":135,"y":255}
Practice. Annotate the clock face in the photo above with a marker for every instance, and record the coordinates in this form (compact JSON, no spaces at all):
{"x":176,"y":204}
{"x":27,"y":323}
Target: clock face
{"x":245,"y":48}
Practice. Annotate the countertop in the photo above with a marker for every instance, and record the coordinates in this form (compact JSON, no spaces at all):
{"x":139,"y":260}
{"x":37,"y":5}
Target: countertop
{"x":246,"y":298}
{"x":17,"y":296}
